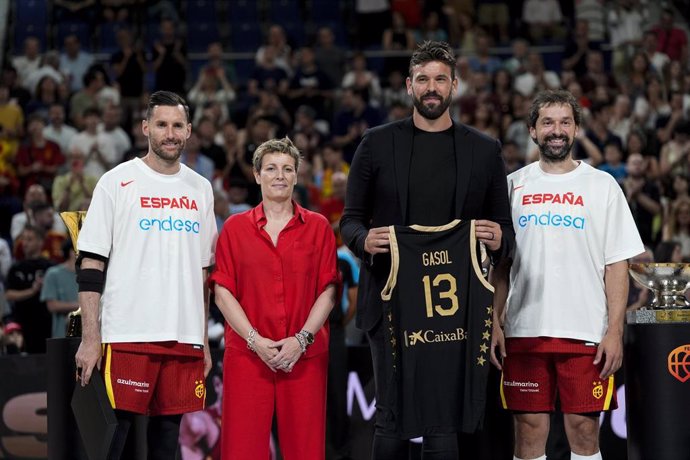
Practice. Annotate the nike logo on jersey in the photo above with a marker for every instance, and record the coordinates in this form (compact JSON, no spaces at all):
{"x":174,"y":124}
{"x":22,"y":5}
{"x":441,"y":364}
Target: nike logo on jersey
{"x":518,"y":187}
{"x":125,"y":184}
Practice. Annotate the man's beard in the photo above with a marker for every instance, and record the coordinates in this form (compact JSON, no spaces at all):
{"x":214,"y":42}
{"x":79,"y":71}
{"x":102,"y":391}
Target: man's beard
{"x":432,"y":113}
{"x":157,"y":148}
{"x":554,"y":154}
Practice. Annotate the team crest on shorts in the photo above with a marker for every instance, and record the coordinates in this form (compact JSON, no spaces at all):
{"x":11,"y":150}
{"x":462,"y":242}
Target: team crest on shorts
{"x":598,"y":390}
{"x":199,"y":389}
{"x":679,"y":363}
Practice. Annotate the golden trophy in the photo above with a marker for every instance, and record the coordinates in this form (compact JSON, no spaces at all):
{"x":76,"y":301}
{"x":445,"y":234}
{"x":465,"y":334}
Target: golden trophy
{"x":73,"y":221}
{"x":668,"y":282}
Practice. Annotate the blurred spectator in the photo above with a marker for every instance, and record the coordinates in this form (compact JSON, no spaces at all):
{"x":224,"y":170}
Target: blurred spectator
{"x":221,"y":207}
{"x":651,"y":105}
{"x":676,"y":79}
{"x":193,"y":159}
{"x":360,"y":77}
{"x":517,"y":62}
{"x":59,"y":290}
{"x":280,"y":49}
{"x":211,"y":86}
{"x":674,"y":153}
{"x":483,"y":61}
{"x":270,"y":106}
{"x":613,"y":162}
{"x":396,"y":91}
{"x":34,"y":194}
{"x":237,"y":168}
{"x":206,"y":132}
{"x":637,"y":143}
{"x":467,"y":32}
{"x":594,"y":13}
{"x":87,"y":97}
{"x":333,"y":162}
{"x":536,"y":77}
{"x":354,"y":117}
{"x":43,"y":217}
{"x":621,"y":121}
{"x":24,"y":283}
{"x":330,"y":58}
{"x":513,"y":159}
{"x":626,"y":19}
{"x":98,"y":147}
{"x":56,"y":130}
{"x":398,"y":111}
{"x":576,"y":48}
{"x":29,"y":61}
{"x":74,"y":62}
{"x":494,"y":16}
{"x":597,"y":128}
{"x":267,"y":75}
{"x":237,"y":197}
{"x":11,"y":121}
{"x":666,"y":123}
{"x":116,"y":10}
{"x":671,"y":40}
{"x":47,"y":93}
{"x":677,"y":225}
{"x":639,"y":72}
{"x":50,"y":67}
{"x":111,"y":128}
{"x":543,"y":19}
{"x":128,"y":66}
{"x":397,"y":38}
{"x":170,"y":59}
{"x":658,"y":59}
{"x":307,"y":126}
{"x":373,"y":17}
{"x":72,"y":190}
{"x":643,"y":197}
{"x":12,"y":339}
{"x":431,"y":29}
{"x":668,"y":252}
{"x":38,"y":159}
{"x":678,"y":188}
{"x":638,"y":296}
{"x":18,"y":93}
{"x":596,"y":74}
{"x":310,"y":85}
{"x":258,"y":131}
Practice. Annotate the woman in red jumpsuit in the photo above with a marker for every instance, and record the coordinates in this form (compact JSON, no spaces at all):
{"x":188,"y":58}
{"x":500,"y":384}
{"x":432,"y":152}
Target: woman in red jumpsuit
{"x":274,"y":283}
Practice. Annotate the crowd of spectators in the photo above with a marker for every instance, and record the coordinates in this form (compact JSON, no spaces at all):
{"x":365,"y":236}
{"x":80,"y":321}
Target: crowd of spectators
{"x":69,"y":114}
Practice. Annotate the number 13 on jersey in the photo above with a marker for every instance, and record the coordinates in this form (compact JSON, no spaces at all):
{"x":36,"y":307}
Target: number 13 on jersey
{"x":448,"y":281}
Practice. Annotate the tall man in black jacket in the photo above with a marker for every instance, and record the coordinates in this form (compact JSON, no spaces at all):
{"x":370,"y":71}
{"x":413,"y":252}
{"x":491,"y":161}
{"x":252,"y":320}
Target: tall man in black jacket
{"x":425,"y":170}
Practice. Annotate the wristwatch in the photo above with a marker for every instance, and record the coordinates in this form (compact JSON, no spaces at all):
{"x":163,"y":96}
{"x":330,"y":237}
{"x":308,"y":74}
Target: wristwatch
{"x":308,"y":336}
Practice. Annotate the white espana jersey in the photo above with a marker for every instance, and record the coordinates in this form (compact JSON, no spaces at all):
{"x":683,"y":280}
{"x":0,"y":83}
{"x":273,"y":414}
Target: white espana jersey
{"x":568,"y":227}
{"x":158,"y":232}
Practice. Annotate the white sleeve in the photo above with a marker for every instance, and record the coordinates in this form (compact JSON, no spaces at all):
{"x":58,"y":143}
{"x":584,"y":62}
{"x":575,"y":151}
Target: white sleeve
{"x":622,"y":237}
{"x":96,"y":233}
{"x":209,"y":230}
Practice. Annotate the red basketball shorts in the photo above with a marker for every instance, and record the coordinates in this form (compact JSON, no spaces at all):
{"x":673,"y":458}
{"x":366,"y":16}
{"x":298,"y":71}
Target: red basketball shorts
{"x":161,"y":378}
{"x":537,"y":370}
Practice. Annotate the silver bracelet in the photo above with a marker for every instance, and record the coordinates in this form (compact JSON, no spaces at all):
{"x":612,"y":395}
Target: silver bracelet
{"x":302,"y":342}
{"x":251,"y":337}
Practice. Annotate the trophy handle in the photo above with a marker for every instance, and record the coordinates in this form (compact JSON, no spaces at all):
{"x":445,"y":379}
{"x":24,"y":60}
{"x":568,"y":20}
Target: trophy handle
{"x":73,"y":221}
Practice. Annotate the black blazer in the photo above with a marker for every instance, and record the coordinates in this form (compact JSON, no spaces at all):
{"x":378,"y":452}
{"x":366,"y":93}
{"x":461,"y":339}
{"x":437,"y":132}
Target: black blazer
{"x":377,"y":197}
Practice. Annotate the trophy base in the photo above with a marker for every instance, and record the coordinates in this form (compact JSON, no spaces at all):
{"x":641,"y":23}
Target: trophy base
{"x":653,"y":316}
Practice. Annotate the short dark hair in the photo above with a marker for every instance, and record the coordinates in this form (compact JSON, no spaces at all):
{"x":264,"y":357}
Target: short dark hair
{"x":166,"y":98}
{"x":554,"y":97}
{"x":430,"y":51}
{"x":91,"y":110}
{"x":38,"y":231}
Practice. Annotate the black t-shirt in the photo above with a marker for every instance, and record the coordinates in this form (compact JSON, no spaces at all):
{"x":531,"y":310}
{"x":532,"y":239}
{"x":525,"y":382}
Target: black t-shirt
{"x":431,"y":187}
{"x":31,"y":313}
{"x":132,"y":79}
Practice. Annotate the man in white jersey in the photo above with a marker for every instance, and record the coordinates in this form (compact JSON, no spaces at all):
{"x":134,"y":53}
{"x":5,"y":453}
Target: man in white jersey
{"x":144,"y":249}
{"x":561,"y":328}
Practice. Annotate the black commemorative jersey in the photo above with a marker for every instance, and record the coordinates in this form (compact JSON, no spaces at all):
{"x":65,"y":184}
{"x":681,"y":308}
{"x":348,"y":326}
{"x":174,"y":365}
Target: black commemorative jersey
{"x":437,"y":310}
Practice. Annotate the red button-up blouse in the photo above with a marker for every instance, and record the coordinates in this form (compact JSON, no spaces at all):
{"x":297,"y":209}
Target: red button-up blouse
{"x":276,"y":285}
